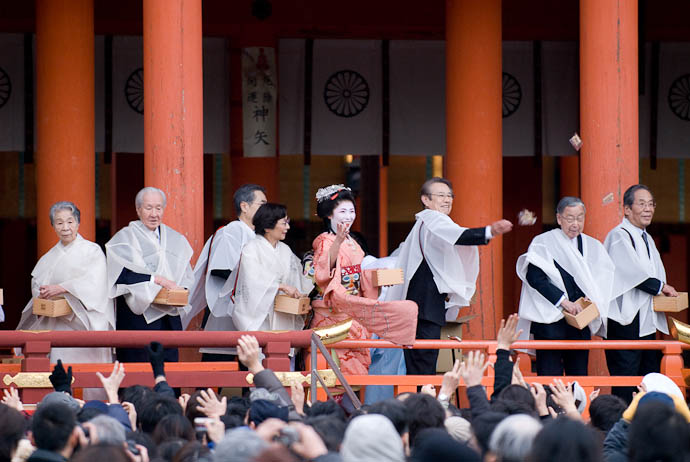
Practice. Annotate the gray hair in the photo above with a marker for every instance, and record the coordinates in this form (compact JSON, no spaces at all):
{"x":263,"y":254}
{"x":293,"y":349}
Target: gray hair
{"x":512,"y":438}
{"x":139,"y":199}
{"x":109,"y":430}
{"x":629,"y":195}
{"x":569,"y":201}
{"x":64,"y":205}
{"x":437,"y":179}
{"x":245,"y":193}
{"x":239,"y":445}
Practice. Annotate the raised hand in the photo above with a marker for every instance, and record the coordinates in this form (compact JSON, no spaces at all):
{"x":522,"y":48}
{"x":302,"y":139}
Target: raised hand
{"x":111,"y":384}
{"x":506,"y":334}
{"x":501,"y":227}
{"x":472,"y":369}
{"x":248,"y":353}
{"x":61,"y":380}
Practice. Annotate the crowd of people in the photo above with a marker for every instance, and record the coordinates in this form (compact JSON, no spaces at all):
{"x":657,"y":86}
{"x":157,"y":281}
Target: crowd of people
{"x":520,"y":421}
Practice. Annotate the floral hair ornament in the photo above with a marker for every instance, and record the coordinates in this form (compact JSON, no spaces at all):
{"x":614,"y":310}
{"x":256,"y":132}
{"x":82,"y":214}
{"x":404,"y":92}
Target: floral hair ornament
{"x":330,"y":192}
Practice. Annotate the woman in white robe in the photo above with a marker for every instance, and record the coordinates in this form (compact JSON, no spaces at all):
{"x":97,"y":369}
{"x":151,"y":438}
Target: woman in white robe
{"x":74,"y":269}
{"x":267,"y":267}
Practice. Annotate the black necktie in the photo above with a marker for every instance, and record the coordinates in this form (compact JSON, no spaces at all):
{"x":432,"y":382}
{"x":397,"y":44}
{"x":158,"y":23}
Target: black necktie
{"x":579,"y":244}
{"x":646,"y":243}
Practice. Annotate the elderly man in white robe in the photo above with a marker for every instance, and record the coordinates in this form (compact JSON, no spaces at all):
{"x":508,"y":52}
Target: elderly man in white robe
{"x":142,"y":258}
{"x":74,"y":269}
{"x":640,"y":275}
{"x":267,"y":268}
{"x":441,"y":264}
{"x":560,"y":267}
{"x":214,"y":267}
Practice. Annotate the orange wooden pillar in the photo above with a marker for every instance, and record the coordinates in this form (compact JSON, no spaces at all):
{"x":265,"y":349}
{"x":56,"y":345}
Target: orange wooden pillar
{"x":570,"y":175}
{"x":473,"y":140}
{"x":173,"y":112}
{"x":259,"y":170}
{"x":65,"y":127}
{"x":608,"y":109}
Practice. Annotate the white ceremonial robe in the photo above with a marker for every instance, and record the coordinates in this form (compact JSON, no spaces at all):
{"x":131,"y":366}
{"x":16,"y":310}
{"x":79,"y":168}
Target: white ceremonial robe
{"x":592,"y":271}
{"x":261,"y":270}
{"x":80,"y":269}
{"x":138,"y":249}
{"x":634,"y":266}
{"x":455,"y":267}
{"x":224,"y":249}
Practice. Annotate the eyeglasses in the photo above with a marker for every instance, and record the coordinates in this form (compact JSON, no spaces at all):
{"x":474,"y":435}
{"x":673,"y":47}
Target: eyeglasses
{"x":450,"y":196}
{"x":645,"y":205}
{"x":284,"y":221}
{"x":571,"y":219}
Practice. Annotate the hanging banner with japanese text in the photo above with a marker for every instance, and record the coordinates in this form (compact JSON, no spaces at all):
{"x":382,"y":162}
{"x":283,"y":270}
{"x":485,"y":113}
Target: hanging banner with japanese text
{"x":259,"y":101}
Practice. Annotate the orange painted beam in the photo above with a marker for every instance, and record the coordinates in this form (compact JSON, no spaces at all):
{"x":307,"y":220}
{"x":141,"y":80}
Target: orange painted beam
{"x":173,"y":112}
{"x":474,"y":141}
{"x":608,"y":109}
{"x":65,"y":127}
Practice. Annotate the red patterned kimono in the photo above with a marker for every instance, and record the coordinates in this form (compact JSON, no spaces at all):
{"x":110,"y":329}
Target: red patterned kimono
{"x":347,"y":292}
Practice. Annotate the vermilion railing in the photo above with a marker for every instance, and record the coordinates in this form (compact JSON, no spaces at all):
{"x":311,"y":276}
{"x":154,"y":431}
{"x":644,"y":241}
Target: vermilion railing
{"x":276,"y":346}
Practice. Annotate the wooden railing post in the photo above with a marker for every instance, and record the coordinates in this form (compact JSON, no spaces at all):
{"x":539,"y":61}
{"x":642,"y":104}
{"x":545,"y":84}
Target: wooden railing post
{"x":491,"y":356}
{"x":672,"y":363}
{"x":36,"y":359}
{"x":277,"y":356}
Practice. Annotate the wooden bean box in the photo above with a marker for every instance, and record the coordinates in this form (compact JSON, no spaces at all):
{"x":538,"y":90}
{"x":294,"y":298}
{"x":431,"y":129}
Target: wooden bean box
{"x":52,"y":308}
{"x":581,"y":320}
{"x":671,"y":304}
{"x":173,"y":297}
{"x":387,"y":277}
{"x":290,"y":305}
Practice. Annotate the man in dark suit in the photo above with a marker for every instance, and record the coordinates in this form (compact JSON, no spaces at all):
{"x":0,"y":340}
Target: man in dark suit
{"x":433,"y":281}
{"x":560,"y":267}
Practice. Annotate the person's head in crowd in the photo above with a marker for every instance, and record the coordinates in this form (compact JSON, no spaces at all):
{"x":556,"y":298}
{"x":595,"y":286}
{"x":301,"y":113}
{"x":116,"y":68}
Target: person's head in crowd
{"x":247,"y":200}
{"x":404,"y":395}
{"x":237,"y":406}
{"x":605,"y":411}
{"x":12,"y":430}
{"x":423,"y":411}
{"x":136,"y":394}
{"x":232,"y":421}
{"x":61,"y":398}
{"x":153,"y":409}
{"x":435,"y":444}
{"x":262,"y":409}
{"x":331,"y":431}
{"x":145,"y":440}
{"x":511,"y":407}
{"x":173,"y":426}
{"x":518,"y":393}
{"x":275,"y":454}
{"x":484,"y":425}
{"x":395,"y":411}
{"x":658,"y":433}
{"x":191,"y":410}
{"x":372,"y":437}
{"x":565,"y":439}
{"x":239,"y":445}
{"x":655,"y":381}
{"x":511,"y":440}
{"x":193,"y":451}
{"x":335,"y":205}
{"x":104,"y":429}
{"x":459,"y":429}
{"x":102,"y":451}
{"x":329,"y":408}
{"x":54,"y":428}
{"x":168,"y":449}
{"x":89,"y":411}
